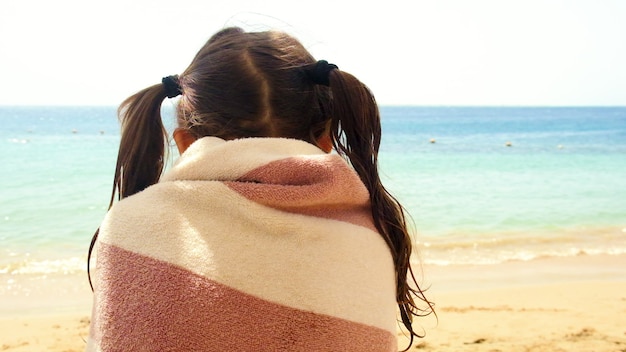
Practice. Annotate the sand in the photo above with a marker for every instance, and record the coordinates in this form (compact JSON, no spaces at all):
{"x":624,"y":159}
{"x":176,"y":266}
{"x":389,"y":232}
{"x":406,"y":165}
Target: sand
{"x":66,"y":332}
{"x":566,"y":304}
{"x":555,"y":317}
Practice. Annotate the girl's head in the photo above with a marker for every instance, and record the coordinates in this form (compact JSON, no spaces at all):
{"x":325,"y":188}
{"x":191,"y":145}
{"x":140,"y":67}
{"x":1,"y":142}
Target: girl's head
{"x":266,"y":84}
{"x":252,"y":85}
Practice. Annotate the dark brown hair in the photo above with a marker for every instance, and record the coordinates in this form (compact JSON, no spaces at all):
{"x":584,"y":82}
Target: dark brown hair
{"x":248,"y":84}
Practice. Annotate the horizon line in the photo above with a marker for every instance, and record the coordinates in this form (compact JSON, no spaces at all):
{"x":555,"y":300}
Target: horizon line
{"x":379,"y":104}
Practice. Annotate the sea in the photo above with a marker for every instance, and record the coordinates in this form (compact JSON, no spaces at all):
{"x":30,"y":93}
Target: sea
{"x":480,"y":185}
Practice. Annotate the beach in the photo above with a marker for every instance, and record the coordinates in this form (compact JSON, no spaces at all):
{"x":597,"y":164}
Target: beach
{"x":551,"y":304}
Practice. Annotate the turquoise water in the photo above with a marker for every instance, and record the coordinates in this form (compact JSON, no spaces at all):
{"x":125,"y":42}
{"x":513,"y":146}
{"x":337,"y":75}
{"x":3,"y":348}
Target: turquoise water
{"x":559,"y":189}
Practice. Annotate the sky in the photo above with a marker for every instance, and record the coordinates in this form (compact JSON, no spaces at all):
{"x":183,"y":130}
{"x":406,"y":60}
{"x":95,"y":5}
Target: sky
{"x":413,"y":52}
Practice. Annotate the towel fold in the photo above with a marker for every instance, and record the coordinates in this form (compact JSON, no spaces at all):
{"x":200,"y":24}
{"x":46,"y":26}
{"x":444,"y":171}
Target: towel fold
{"x":256,"y":244}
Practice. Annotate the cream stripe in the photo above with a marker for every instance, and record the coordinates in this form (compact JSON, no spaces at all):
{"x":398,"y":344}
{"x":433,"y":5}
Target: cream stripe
{"x":326,"y":266}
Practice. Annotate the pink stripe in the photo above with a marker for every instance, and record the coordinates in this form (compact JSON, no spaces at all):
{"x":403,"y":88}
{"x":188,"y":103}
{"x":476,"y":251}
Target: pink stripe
{"x":147,"y":304}
{"x":324,"y":187}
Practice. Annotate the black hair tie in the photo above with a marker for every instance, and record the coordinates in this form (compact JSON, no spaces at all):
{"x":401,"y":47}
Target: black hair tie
{"x":319,"y":72}
{"x":172,"y":88}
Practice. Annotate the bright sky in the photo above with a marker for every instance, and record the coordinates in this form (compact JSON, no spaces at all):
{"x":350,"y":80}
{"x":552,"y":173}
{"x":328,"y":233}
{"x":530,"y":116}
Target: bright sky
{"x":413,"y":52}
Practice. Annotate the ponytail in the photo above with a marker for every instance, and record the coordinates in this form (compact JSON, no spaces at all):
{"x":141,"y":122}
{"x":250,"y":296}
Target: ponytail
{"x":142,"y":146}
{"x":356,"y":134}
{"x":141,"y":154}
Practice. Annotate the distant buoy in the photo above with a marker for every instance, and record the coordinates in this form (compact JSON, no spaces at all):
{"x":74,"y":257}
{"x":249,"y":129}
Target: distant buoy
{"x":74,"y":131}
{"x":508,"y":144}
{"x":101,"y":132}
{"x":432,"y":140}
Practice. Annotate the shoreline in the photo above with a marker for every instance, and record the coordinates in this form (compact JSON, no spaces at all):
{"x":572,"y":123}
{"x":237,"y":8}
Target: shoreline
{"x":549,"y":304}
{"x":548,"y":270}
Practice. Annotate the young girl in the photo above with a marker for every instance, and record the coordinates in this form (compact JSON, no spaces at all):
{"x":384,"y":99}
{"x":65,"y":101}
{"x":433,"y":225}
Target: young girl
{"x":259,"y":238}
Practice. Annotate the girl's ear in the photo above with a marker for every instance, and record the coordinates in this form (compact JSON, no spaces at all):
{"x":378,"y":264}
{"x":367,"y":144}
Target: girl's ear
{"x":325,"y":142}
{"x":183,"y":139}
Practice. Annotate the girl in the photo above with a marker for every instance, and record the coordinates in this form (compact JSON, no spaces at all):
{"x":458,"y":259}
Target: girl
{"x":258,"y":238}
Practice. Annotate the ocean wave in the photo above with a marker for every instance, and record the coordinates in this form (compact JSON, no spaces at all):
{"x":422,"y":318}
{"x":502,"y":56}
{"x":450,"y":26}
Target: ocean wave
{"x":495,"y":249}
{"x":67,"y":266}
{"x":19,"y":140}
{"x":503,"y":257}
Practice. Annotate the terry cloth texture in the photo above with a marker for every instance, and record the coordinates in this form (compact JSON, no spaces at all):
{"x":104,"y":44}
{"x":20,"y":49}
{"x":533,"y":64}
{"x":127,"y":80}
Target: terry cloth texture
{"x":256,"y":244}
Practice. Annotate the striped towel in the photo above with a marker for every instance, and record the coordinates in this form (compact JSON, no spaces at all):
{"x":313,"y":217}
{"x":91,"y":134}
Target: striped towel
{"x":256,"y":244}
